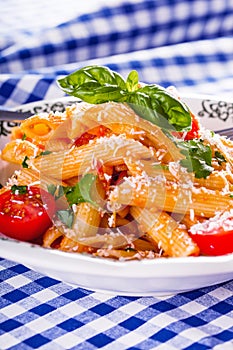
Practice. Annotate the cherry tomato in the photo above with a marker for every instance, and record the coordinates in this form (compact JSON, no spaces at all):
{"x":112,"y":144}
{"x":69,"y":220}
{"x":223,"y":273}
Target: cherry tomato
{"x":28,"y":215}
{"x":215,"y":238}
{"x":84,"y":139}
{"x":98,"y":131}
{"x":194,"y":132}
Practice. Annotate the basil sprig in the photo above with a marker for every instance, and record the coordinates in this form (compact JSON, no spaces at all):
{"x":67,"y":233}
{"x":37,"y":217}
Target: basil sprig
{"x":98,"y":84}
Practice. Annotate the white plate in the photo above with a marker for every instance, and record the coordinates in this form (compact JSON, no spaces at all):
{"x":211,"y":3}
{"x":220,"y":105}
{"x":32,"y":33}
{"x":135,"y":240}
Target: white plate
{"x":142,"y":278}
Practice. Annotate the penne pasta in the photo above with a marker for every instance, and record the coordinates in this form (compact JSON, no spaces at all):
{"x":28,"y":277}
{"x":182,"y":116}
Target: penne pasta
{"x":151,"y":193}
{"x":121,"y":119}
{"x":40,"y":128}
{"x":77,"y":161}
{"x":170,"y":237}
{"x":121,"y":186}
{"x":16,"y":151}
{"x":86,"y":221}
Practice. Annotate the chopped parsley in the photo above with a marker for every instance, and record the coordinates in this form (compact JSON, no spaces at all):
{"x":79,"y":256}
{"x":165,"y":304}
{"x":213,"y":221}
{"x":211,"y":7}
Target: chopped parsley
{"x":43,"y":153}
{"x":129,"y":249}
{"x":24,"y":137}
{"x":18,"y":189}
{"x":24,"y":164}
{"x":198,"y":157}
{"x":219,"y":157}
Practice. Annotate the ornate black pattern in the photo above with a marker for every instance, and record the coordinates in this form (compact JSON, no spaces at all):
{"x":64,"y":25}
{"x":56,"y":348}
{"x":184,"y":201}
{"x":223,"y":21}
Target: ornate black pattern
{"x":217,"y":109}
{"x":48,"y":107}
{"x":5,"y":127}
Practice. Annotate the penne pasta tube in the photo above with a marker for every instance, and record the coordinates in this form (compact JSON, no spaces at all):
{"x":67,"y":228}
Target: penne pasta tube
{"x":127,"y":254}
{"x":25,"y":177}
{"x":15,"y":151}
{"x":153,"y":194}
{"x":70,"y":245}
{"x":120,"y":118}
{"x":170,"y":237}
{"x":80,"y":160}
{"x":217,"y":180}
{"x":41,"y":127}
{"x":50,"y":237}
{"x":86,"y":221}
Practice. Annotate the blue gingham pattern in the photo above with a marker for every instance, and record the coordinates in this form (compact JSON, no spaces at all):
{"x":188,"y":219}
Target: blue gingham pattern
{"x":123,"y":27}
{"x":40,"y":312}
{"x":184,"y":43}
{"x":204,"y":67}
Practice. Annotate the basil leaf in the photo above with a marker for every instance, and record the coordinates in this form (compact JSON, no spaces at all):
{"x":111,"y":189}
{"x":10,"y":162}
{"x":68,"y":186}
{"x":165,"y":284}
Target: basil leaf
{"x":101,"y":76}
{"x":132,"y":81}
{"x":18,"y":189}
{"x":94,"y":93}
{"x":198,"y":157}
{"x":97,"y":84}
{"x":142,"y":105}
{"x":81,"y":192}
{"x":66,"y":217}
{"x":168,"y":107}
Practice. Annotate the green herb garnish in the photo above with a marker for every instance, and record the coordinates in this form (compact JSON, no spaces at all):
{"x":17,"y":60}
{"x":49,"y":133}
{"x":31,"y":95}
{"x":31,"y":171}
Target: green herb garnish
{"x":18,"y":189}
{"x":24,"y":164}
{"x":219,"y":157}
{"x":24,"y":137}
{"x":81,"y":192}
{"x":43,"y":153}
{"x":97,"y":84}
{"x":52,"y":189}
{"x":198,"y":157}
{"x":66,"y":217}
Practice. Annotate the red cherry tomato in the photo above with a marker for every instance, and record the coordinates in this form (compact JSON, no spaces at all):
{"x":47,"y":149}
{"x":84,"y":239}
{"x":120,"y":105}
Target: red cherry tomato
{"x":194,"y":132}
{"x":26,"y":216}
{"x":214,"y":237}
{"x":98,"y":131}
{"x":84,"y":139}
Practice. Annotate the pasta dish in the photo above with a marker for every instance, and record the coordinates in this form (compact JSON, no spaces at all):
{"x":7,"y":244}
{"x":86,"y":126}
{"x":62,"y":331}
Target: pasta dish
{"x":127,"y":173}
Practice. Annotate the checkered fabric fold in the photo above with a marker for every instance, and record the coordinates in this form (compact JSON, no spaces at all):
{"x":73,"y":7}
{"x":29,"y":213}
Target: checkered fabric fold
{"x":125,"y":26}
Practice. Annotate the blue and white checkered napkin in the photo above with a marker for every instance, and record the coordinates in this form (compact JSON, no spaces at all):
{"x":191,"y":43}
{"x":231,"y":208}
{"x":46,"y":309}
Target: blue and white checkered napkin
{"x":32,"y":36}
{"x":186,"y":43}
{"x":40,"y":312}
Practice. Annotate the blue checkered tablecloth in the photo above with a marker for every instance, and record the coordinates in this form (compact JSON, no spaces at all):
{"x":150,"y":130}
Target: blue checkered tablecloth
{"x":186,"y":43}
